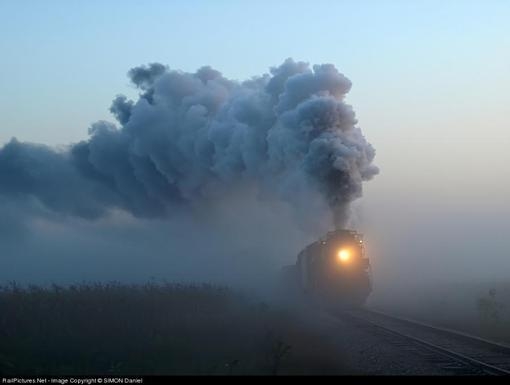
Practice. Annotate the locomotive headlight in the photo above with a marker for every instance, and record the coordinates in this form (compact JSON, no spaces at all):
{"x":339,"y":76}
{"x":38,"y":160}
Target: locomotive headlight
{"x":344,"y":255}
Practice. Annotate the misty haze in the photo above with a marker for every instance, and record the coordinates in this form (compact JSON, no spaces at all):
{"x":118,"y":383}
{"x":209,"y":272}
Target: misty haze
{"x":280,"y":200}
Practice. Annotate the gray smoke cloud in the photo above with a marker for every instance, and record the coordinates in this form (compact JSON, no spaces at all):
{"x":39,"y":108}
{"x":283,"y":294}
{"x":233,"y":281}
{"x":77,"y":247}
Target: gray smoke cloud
{"x":192,"y":137}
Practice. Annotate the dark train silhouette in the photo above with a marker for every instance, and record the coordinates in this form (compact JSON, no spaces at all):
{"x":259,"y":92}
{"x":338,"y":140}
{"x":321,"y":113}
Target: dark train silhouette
{"x":332,"y":271}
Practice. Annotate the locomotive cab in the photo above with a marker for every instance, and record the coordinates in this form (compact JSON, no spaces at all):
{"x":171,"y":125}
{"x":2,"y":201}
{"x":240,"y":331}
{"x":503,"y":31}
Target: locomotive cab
{"x":334,"y":269}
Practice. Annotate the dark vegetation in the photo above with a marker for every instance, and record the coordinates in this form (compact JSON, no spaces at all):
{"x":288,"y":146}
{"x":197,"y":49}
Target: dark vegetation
{"x":493,"y":315}
{"x":154,"y":329}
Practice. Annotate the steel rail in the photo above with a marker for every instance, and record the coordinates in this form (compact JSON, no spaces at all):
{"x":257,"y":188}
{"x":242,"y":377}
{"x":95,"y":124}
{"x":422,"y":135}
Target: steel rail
{"x":446,"y":331}
{"x":459,"y":357}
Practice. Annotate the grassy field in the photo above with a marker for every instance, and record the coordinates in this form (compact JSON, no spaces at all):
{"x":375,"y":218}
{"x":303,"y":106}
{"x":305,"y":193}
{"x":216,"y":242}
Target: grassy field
{"x":154,"y":329}
{"x":480,"y":308}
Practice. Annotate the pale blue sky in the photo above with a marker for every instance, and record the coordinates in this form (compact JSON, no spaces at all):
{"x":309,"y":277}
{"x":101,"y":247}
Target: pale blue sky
{"x":429,"y":77}
{"x":430,"y":81}
{"x":63,"y":61}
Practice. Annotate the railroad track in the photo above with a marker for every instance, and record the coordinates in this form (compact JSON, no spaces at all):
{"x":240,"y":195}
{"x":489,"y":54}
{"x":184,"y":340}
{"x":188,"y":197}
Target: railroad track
{"x":455,"y":352}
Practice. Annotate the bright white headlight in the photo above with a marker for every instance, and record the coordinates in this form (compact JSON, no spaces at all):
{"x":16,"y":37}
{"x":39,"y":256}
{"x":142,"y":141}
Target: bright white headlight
{"x":344,"y":255}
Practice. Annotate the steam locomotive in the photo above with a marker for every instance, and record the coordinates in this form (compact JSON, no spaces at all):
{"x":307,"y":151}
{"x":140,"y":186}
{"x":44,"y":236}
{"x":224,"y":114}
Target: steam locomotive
{"x":333,"y":271}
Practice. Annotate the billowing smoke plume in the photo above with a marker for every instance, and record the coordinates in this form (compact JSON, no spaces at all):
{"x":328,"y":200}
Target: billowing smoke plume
{"x":190,"y":137}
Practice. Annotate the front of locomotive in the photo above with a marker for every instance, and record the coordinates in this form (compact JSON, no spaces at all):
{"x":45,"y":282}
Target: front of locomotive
{"x":345,"y":276}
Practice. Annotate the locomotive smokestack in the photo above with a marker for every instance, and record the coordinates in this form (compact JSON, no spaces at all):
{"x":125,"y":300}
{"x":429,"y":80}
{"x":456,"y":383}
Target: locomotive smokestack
{"x":192,"y":136}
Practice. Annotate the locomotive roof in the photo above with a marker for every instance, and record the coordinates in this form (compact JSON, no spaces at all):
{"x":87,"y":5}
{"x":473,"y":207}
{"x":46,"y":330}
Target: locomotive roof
{"x":334,"y":233}
{"x":343,"y":232}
